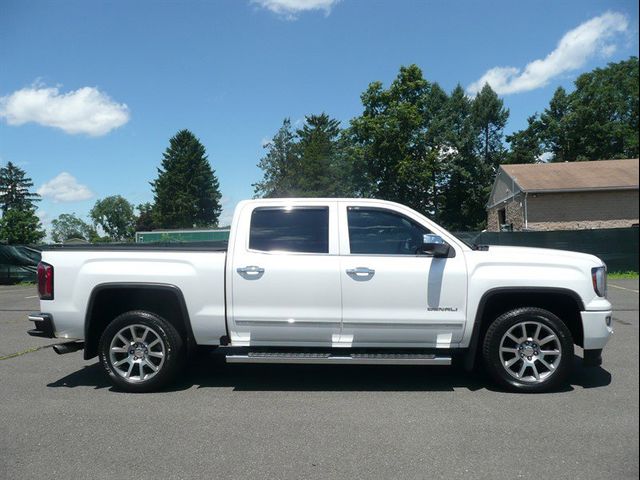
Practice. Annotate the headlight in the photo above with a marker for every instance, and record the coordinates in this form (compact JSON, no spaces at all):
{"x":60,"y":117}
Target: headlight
{"x":599,"y":279}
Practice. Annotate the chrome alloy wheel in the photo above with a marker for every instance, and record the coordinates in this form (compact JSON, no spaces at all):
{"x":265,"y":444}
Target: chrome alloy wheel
{"x":530,"y":352}
{"x":137,"y":353}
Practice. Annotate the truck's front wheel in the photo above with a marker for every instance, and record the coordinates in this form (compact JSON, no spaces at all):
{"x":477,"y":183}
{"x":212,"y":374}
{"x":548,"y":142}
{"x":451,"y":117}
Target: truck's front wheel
{"x":140,"y":351}
{"x":528,"y":350}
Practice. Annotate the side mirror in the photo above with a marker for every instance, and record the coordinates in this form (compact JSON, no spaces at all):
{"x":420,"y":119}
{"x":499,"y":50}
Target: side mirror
{"x":435,"y":246}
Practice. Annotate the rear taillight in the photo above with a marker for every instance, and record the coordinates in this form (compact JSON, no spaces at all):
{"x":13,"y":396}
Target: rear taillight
{"x":45,"y":281}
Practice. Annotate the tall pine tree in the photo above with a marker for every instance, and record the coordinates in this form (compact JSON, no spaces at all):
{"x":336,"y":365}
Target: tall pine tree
{"x":312,"y":162}
{"x":20,"y":227}
{"x":526,"y":145}
{"x":554,"y":122}
{"x":19,"y":223}
{"x":489,"y":118}
{"x":278,"y":165}
{"x":14,"y":189}
{"x":459,"y":146}
{"x":318,"y":153}
{"x":186,"y":192}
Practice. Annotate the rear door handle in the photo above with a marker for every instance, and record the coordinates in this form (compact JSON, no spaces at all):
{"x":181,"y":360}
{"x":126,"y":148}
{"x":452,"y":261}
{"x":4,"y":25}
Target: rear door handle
{"x":251,"y":269}
{"x":360,"y":271}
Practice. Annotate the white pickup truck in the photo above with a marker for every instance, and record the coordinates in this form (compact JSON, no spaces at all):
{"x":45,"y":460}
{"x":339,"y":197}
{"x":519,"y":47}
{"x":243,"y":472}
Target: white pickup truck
{"x":349,"y":281}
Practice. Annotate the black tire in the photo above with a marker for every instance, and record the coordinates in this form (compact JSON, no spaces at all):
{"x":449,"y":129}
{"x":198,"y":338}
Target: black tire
{"x":170,"y":361}
{"x":506,"y":376}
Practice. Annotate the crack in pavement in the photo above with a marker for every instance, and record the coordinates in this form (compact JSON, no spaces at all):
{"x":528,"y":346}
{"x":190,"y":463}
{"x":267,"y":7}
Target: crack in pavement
{"x":29,"y":350}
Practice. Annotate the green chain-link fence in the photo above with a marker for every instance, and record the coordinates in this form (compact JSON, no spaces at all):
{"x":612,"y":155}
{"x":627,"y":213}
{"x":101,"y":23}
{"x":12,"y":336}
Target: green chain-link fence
{"x":617,"y":247}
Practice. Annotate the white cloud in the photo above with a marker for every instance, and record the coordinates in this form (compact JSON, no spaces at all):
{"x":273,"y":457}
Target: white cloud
{"x":575,"y":48}
{"x":289,"y":9}
{"x":65,"y":188}
{"x":86,"y":110}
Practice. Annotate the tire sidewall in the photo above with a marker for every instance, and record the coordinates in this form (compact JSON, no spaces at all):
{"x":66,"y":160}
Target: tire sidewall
{"x":173,"y":345}
{"x":493,"y":339}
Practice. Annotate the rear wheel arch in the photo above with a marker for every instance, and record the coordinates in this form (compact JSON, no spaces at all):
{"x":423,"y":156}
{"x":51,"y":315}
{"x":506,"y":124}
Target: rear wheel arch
{"x":109,"y":300}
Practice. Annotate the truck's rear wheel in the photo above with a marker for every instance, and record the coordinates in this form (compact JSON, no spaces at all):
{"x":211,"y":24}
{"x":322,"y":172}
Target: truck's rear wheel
{"x":528,"y":350}
{"x":140,"y":351}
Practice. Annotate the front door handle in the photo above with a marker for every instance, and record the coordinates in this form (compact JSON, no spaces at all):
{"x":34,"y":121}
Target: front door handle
{"x":251,"y":270}
{"x":360,"y":271}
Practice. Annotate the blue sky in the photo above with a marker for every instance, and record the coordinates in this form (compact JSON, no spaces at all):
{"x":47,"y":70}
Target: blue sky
{"x":91,"y":91}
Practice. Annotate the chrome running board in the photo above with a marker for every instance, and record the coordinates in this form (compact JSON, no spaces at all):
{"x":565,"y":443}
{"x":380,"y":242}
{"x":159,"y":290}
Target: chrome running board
{"x":351,"y":359}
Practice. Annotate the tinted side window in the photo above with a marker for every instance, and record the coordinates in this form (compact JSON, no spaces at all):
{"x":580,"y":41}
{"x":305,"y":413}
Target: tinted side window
{"x":304,"y":229}
{"x":376,"y":231}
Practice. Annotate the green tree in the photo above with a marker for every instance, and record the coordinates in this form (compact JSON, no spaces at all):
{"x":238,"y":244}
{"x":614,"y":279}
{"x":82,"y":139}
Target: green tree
{"x":19,"y":223}
{"x":68,"y":226}
{"x":279,"y":165}
{"x":319,"y":171}
{"x":459,"y":144}
{"x":597,"y":121}
{"x":489,"y":118}
{"x":20,"y":226}
{"x":604,"y":112}
{"x":526,"y":145}
{"x":394,"y":141}
{"x":145,"y":221}
{"x":553,"y":128}
{"x":14,"y":189}
{"x":312,"y":162}
{"x":186,"y":192}
{"x":115,"y":216}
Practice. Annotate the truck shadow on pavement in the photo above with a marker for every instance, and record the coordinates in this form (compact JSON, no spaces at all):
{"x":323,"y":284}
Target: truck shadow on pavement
{"x":211,"y":371}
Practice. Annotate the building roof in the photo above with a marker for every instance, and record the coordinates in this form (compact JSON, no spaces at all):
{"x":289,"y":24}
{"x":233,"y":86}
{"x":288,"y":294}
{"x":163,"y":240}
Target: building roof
{"x":575,"y":176}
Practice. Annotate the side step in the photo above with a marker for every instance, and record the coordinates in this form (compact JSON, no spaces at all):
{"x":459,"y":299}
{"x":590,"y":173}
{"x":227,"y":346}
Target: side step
{"x":351,"y":359}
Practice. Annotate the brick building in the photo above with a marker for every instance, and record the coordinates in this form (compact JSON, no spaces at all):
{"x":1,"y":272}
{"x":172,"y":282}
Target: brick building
{"x":564,"y":196}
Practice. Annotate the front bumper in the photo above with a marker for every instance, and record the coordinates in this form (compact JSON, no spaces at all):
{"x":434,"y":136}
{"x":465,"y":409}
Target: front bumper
{"x":596,"y":327}
{"x":43,"y":323}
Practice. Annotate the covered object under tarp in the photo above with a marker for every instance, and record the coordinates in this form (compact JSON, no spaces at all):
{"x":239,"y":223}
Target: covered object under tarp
{"x":18,"y":263}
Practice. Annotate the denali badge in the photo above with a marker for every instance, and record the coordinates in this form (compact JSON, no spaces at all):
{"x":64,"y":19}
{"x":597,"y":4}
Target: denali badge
{"x":442,"y":309}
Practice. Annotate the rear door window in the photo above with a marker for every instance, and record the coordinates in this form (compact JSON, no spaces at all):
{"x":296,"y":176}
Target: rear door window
{"x":285,"y":229}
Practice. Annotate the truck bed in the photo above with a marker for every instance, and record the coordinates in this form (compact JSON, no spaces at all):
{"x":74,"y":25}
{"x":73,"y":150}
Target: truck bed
{"x":196,"y":270}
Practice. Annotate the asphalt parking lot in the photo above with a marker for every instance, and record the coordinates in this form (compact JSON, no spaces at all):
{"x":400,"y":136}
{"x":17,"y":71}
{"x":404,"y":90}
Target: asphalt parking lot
{"x":59,"y":418}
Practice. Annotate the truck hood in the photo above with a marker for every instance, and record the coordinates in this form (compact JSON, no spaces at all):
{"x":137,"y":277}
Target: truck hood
{"x":531,"y":255}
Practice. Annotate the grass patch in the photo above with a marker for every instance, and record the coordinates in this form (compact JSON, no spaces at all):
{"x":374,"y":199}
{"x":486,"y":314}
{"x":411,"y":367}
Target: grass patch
{"x":630,"y":275}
